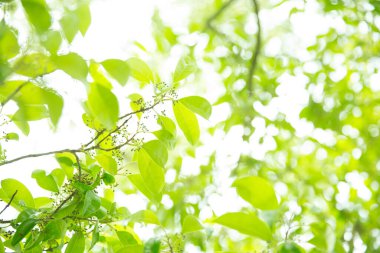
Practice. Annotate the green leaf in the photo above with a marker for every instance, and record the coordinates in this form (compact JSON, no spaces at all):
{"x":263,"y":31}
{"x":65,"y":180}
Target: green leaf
{"x":108,"y":179}
{"x":12,"y":136}
{"x":23,"y":196}
{"x":2,"y":249}
{"x":103,"y":105}
{"x":76,"y":243}
{"x":98,"y":76}
{"x":152,"y":173}
{"x":84,"y":14}
{"x":197,"y":105}
{"x":145,"y":216}
{"x":55,"y":229}
{"x":91,"y":204}
{"x":187,"y":122}
{"x":95,"y":236}
{"x":34,"y":65}
{"x":157,"y":151}
{"x":30,"y":113}
{"x":9,"y":47}
{"x":43,"y":202}
{"x":152,"y":246}
{"x":184,"y":68}
{"x":191,"y":224}
{"x":38,"y":14}
{"x":138,"y":181}
{"x":23,"y":230}
{"x":117,"y":69}
{"x":44,"y":181}
{"x":70,"y":25}
{"x":126,"y":238}
{"x":290,"y":247}
{"x":54,"y":102}
{"x":167,"y":124}
{"x":257,"y":191}
{"x":140,"y":70}
{"x":51,"y":40}
{"x":73,"y":65}
{"x":66,"y":161}
{"x":248,"y":224}
{"x":108,"y":163}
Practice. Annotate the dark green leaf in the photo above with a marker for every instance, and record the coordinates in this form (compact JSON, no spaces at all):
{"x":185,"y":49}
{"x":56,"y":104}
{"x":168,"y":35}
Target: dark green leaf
{"x":23,"y":230}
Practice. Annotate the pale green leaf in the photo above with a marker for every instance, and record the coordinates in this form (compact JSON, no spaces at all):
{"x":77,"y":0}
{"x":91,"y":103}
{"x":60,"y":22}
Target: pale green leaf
{"x":73,"y":65}
{"x":157,"y":151}
{"x":184,"y":68}
{"x":138,"y":181}
{"x":117,"y":69}
{"x":70,"y":25}
{"x":140,"y":70}
{"x":187,"y":122}
{"x":51,"y":40}
{"x":152,"y":173}
{"x":248,"y":224}
{"x":23,"y":196}
{"x":34,"y":65}
{"x":167,"y":124}
{"x":103,"y":105}
{"x":12,"y":136}
{"x":46,"y":182}
{"x":191,"y":224}
{"x":197,"y":105}
{"x":108,"y":163}
{"x":84,"y":14}
{"x":9,"y":47}
{"x":145,"y":216}
{"x":257,"y":191}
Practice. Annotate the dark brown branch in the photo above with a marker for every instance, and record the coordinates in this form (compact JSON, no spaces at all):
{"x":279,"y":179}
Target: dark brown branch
{"x":257,"y":49}
{"x":9,"y":203}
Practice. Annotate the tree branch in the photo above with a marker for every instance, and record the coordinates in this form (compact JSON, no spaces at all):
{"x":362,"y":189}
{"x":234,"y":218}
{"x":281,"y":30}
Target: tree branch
{"x":14,"y":93}
{"x":256,"y":51}
{"x":63,"y":203}
{"x":97,"y":146}
{"x":9,"y":203}
{"x":218,"y":13}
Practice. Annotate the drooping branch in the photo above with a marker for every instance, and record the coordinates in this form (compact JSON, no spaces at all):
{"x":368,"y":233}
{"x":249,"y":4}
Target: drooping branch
{"x":256,"y":52}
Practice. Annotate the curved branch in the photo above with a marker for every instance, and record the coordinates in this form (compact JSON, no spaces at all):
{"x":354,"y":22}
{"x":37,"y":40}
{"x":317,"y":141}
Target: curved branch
{"x":257,"y":49}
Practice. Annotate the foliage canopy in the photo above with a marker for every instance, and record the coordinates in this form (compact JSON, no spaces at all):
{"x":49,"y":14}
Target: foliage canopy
{"x":284,"y":160}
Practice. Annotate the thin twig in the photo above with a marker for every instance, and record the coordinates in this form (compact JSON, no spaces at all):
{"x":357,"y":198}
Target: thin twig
{"x":9,"y":203}
{"x":218,"y":13}
{"x":14,"y":92}
{"x":63,"y":203}
{"x":79,"y":166}
{"x":82,"y":150}
{"x":257,"y":49}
